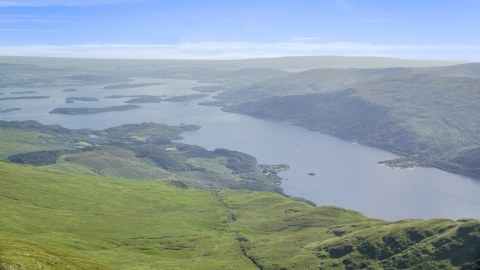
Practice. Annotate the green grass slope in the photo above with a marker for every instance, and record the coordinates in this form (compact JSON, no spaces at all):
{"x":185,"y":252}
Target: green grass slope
{"x":55,"y":220}
{"x":18,"y":253}
{"x":124,"y":224}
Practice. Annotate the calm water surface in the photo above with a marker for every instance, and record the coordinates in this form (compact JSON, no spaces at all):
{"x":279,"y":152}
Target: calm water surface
{"x":346,"y":174}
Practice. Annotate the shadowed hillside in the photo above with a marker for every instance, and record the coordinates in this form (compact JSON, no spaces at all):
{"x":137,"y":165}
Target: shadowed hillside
{"x":417,"y":116}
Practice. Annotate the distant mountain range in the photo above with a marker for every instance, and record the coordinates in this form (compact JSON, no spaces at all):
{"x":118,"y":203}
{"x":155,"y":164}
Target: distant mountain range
{"x":291,"y":62}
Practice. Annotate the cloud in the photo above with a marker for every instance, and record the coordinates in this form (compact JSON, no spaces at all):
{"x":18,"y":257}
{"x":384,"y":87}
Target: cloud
{"x":232,"y":50}
{"x":70,"y":3}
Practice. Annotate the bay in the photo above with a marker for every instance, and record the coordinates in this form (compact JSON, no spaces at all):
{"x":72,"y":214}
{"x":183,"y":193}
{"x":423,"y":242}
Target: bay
{"x":346,"y":174}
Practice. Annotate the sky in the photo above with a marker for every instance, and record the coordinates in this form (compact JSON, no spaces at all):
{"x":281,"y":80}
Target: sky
{"x":231,"y":29}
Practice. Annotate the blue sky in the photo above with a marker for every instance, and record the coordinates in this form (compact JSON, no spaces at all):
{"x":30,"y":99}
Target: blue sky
{"x":228,"y":29}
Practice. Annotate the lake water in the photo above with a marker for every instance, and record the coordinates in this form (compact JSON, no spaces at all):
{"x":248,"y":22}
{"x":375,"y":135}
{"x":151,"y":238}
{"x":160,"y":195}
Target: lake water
{"x":346,"y":173}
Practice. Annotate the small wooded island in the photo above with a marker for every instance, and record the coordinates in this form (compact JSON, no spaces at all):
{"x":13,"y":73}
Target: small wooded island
{"x":69,"y":90}
{"x":130,"y":85}
{"x":23,"y":92}
{"x":140,"y":98}
{"x":93,"y":110}
{"x":73,"y":99}
{"x":185,"y":98}
{"x":26,"y":97}
{"x":145,"y":99}
{"x":9,"y":110}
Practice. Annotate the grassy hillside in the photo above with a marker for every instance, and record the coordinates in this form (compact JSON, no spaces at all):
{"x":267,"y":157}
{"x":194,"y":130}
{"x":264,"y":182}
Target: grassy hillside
{"x":55,"y":220}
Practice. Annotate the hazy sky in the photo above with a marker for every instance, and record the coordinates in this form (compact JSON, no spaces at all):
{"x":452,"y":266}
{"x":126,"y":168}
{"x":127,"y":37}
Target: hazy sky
{"x":228,"y":29}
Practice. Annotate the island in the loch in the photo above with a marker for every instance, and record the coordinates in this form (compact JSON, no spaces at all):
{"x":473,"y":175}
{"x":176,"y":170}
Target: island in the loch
{"x":211,"y":89}
{"x":9,"y":110}
{"x":140,"y":98}
{"x":311,"y":174}
{"x":73,"y":99}
{"x":93,"y":110}
{"x":145,"y":99}
{"x":185,"y":98}
{"x":26,"y":97}
{"x":130,"y":85}
{"x":23,"y":92}
{"x":69,"y":90}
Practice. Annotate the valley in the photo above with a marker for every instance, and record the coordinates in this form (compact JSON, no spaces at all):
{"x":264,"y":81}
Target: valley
{"x":207,"y":187}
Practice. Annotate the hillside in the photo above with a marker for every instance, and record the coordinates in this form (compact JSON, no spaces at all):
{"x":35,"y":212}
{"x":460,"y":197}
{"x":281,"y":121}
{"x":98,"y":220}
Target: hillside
{"x":463,"y":70}
{"x":307,"y":82}
{"x":430,"y":120}
{"x":57,"y":220}
{"x":329,"y":79}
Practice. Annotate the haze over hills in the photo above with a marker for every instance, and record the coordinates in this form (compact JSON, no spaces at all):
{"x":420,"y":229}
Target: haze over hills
{"x":292,"y":62}
{"x":329,"y":79}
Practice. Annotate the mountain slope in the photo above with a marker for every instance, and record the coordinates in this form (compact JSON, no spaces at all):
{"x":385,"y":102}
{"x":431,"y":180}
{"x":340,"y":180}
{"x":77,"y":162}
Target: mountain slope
{"x":87,"y":222}
{"x":430,"y":119}
{"x":311,"y":81}
{"x":463,"y":70}
{"x":329,"y":79}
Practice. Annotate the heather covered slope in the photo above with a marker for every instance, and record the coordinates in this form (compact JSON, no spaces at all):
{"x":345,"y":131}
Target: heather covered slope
{"x":56,"y":219}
